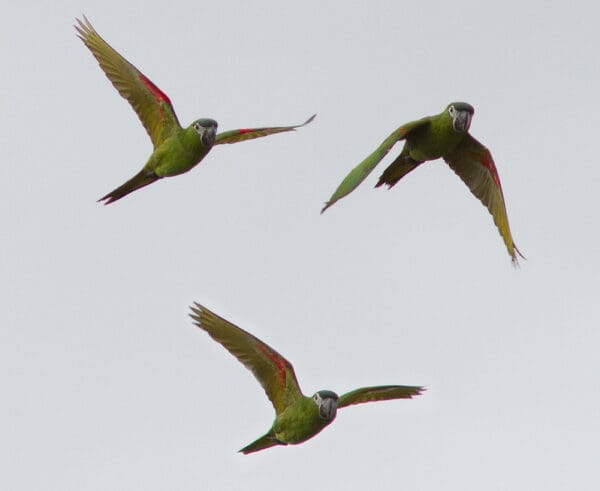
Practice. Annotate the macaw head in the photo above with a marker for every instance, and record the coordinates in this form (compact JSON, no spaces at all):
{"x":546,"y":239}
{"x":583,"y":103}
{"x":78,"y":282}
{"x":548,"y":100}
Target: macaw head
{"x":461,"y":114}
{"x":326,"y":401}
{"x":207,"y":131}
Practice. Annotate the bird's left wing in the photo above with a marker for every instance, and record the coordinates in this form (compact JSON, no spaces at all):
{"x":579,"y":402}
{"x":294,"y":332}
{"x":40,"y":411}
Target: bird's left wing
{"x":272,"y":370}
{"x":151,"y":104}
{"x":379,"y":393}
{"x":474,"y":164}
{"x":242,"y":134}
{"x":362,"y":170}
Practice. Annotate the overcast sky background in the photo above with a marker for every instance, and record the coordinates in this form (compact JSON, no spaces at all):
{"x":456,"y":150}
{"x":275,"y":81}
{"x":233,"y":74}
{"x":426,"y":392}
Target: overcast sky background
{"x":105,"y":382}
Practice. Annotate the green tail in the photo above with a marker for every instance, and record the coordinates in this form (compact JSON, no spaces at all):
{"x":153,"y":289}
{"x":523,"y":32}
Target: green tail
{"x":141,"y":179}
{"x":263,"y":442}
{"x":397,"y":170}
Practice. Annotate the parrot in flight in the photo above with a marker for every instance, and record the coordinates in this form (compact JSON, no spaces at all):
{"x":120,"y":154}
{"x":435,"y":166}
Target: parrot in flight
{"x":445,"y":135}
{"x":298,"y":417}
{"x":176,"y":150}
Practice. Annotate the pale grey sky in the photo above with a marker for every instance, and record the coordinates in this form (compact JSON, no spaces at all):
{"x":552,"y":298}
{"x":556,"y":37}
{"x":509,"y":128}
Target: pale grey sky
{"x":105,"y":382}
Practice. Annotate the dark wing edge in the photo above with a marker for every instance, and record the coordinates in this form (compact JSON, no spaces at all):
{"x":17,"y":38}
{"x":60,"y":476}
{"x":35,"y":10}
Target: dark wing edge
{"x":243,"y":134}
{"x":379,"y":393}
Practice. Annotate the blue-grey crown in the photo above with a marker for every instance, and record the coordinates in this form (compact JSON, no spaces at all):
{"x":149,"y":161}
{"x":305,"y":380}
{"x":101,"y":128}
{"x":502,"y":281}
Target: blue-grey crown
{"x":462,"y":106}
{"x":328,"y":394}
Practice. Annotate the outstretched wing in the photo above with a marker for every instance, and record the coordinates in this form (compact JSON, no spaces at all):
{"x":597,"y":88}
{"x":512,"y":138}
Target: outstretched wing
{"x":272,"y":370}
{"x":234,"y":136}
{"x":152,"y":105}
{"x":473,"y":163}
{"x":379,"y":393}
{"x":362,"y":170}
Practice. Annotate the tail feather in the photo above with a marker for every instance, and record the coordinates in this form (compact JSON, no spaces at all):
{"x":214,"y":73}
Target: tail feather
{"x":397,"y":170}
{"x":263,"y":442}
{"x":141,"y":179}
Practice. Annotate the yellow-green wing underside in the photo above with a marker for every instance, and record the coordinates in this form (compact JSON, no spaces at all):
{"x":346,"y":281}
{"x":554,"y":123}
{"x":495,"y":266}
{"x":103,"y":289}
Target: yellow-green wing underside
{"x":272,"y":370}
{"x":362,"y":170}
{"x":379,"y":393}
{"x":473,"y":163}
{"x":242,"y":134}
{"x":152,"y":106}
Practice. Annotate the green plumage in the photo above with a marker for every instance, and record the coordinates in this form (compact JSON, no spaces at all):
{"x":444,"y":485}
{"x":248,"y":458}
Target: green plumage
{"x":297,"y":417}
{"x":446,"y":136}
{"x":176,"y":150}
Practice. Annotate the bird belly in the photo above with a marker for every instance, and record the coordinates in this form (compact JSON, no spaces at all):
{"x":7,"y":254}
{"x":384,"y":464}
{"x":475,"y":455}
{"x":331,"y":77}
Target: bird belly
{"x":297,"y":427}
{"x":432,"y":144}
{"x":175,"y":157}
{"x":298,"y":434}
{"x":426,"y":149}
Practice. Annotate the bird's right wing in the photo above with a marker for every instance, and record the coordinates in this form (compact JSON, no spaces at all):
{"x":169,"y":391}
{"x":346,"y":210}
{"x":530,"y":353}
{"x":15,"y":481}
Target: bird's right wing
{"x":362,"y":170}
{"x":152,"y":105}
{"x":379,"y":393}
{"x":272,"y":370}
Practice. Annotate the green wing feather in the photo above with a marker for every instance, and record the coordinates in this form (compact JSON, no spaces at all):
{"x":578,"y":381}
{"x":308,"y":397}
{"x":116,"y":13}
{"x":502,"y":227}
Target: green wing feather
{"x":473,"y":163}
{"x":272,"y":370}
{"x":242,"y":134}
{"x":152,"y":106}
{"x":379,"y":393}
{"x":362,"y":170}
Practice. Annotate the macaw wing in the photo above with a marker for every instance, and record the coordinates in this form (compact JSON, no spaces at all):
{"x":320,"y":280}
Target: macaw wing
{"x":152,"y":105}
{"x":473,"y":163}
{"x":272,"y":370}
{"x":379,"y":393}
{"x":362,"y":170}
{"x":242,"y":134}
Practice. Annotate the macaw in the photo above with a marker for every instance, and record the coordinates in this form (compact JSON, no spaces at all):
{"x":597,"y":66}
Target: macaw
{"x":445,"y":135}
{"x":176,"y":150}
{"x":298,"y":417}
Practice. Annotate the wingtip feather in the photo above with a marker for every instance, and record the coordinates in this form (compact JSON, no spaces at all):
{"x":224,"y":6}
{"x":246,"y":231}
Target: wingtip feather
{"x":418,"y":391}
{"x":515,"y":257}
{"x":197,"y":310}
{"x":309,"y":120}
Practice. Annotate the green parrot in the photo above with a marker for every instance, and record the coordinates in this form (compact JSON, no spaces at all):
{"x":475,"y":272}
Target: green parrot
{"x":445,"y":135}
{"x":298,"y":417}
{"x":176,"y":149}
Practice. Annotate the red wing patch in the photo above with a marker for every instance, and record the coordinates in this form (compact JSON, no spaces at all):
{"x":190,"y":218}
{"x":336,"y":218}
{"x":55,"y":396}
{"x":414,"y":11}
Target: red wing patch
{"x":279,"y":361}
{"x":487,"y":161}
{"x":243,"y":131}
{"x":158,"y":94}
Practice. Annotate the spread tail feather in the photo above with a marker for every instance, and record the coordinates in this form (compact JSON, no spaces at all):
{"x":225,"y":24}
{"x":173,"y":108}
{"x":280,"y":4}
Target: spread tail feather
{"x":141,"y":179}
{"x":397,"y":170}
{"x":263,"y":442}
